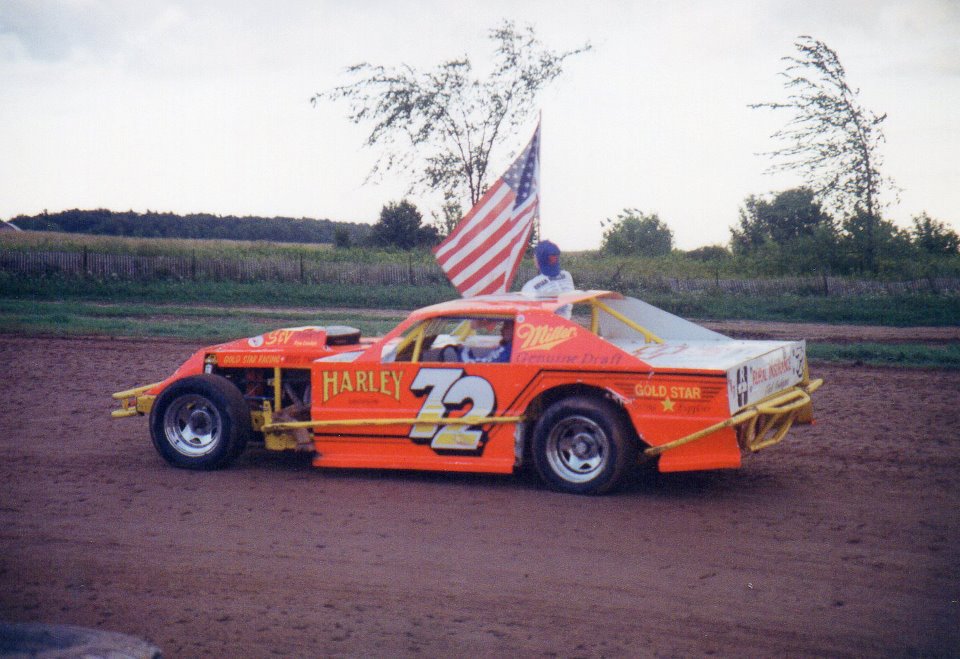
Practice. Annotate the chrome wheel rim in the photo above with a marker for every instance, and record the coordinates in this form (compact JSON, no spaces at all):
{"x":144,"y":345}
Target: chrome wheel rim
{"x":192,"y":425}
{"x":577,"y":449}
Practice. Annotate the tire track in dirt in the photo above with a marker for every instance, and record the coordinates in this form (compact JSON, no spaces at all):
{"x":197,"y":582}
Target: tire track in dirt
{"x":841,"y":541}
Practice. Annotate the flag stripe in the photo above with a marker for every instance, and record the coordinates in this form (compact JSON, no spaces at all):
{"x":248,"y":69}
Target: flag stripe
{"x":482,"y":254}
{"x":495,"y":198}
{"x":480,"y":235}
{"x":491,"y":259}
{"x":516,"y":258}
{"x":498,"y":260}
{"x":495,"y":285}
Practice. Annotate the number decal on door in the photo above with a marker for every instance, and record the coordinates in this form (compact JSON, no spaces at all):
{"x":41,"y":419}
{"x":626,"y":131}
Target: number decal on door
{"x":449,"y":389}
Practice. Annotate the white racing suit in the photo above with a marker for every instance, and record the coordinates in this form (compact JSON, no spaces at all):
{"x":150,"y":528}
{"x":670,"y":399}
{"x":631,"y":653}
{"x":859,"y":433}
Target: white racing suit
{"x":544,"y":286}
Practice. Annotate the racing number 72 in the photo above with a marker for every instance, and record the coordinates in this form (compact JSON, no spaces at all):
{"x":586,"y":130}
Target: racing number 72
{"x":447,"y":389}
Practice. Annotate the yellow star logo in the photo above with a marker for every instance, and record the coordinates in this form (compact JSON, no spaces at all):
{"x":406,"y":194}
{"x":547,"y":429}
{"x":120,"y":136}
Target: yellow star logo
{"x":667,"y":405}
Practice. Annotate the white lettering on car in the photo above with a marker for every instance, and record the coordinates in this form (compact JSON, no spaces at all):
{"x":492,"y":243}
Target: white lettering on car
{"x":447,"y":389}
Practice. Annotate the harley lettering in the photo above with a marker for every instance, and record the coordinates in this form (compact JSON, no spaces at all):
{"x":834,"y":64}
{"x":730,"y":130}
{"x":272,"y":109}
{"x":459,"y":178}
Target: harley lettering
{"x":386,"y":383}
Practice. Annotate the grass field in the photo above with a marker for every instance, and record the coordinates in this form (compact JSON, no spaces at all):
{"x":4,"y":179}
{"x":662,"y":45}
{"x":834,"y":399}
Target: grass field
{"x":210,"y":324}
{"x":894,"y":310}
{"x":176,"y":321}
{"x":881,"y":354}
{"x":207,"y":310}
{"x":260,"y":294}
{"x":677,"y":264}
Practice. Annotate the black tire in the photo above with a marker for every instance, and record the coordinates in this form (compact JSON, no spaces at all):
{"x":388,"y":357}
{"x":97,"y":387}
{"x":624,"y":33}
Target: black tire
{"x":200,"y":422}
{"x":582,"y":446}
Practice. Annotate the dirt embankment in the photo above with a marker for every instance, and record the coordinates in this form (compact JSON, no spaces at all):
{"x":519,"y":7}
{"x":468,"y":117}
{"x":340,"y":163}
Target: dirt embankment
{"x":842,"y":541}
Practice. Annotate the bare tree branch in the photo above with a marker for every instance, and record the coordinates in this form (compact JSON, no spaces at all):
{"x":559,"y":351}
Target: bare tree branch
{"x":442,"y":125}
{"x":831,"y":140}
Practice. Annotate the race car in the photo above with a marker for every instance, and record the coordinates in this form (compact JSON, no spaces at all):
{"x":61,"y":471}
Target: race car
{"x":487,"y":384}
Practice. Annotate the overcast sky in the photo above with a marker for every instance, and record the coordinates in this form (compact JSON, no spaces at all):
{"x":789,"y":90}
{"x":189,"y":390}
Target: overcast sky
{"x":204,"y":106}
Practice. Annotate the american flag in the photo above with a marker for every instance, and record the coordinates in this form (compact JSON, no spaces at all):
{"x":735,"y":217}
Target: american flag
{"x":482,"y":254}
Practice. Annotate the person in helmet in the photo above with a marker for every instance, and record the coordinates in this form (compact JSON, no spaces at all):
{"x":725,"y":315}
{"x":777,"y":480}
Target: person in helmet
{"x":500,"y":354}
{"x":551,"y":281}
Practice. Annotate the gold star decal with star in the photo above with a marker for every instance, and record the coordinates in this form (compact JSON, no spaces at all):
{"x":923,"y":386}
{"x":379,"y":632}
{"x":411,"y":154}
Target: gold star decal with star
{"x":667,"y":405}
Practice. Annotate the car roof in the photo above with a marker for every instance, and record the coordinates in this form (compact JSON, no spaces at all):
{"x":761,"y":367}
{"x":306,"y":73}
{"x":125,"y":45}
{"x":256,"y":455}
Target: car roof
{"x":514,"y":302}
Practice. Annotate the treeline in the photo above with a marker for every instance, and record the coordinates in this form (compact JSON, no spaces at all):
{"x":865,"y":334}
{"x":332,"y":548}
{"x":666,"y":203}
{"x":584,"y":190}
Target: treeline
{"x":195,"y":226}
{"x":789,"y":233}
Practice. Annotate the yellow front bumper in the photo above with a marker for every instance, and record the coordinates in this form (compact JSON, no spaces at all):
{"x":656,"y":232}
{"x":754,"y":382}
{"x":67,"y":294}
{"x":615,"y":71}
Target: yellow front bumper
{"x":134,"y":401}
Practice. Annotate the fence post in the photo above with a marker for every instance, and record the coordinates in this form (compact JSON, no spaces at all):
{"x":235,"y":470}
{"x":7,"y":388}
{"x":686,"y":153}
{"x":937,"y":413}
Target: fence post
{"x":193,"y":265}
{"x":83,"y":264}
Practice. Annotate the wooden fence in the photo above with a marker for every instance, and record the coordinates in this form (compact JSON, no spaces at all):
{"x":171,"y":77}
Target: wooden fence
{"x":132,"y":267}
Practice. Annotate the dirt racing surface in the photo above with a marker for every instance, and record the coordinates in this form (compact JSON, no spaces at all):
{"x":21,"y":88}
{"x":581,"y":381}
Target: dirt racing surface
{"x":842,"y":541}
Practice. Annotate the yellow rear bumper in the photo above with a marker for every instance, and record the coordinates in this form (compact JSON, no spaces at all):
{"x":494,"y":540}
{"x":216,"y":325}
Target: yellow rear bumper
{"x":760,"y":425}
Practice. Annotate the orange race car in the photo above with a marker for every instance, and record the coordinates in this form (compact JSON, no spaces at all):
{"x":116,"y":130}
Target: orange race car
{"x":484,"y":384}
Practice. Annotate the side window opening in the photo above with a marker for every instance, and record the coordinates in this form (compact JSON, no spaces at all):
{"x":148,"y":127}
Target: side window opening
{"x":457,"y":339}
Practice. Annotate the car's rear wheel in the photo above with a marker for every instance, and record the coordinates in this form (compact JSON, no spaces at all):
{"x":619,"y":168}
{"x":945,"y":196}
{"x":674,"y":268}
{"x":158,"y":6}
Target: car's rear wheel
{"x":582,"y":446}
{"x":200,"y":422}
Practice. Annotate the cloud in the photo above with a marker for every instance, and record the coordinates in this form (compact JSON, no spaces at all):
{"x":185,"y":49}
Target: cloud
{"x":921,"y":38}
{"x":204,"y":104}
{"x":52,"y":31}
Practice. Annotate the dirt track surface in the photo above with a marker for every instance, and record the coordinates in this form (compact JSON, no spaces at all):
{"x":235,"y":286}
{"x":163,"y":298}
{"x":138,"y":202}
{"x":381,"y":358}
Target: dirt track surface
{"x":843,"y":541}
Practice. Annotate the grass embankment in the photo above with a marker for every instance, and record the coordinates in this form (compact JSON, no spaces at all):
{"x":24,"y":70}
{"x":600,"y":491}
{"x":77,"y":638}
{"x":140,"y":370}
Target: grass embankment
{"x":892,"y":310}
{"x":175,"y":321}
{"x":210,"y":312}
{"x":913,"y":355}
{"x":225,"y":293}
{"x":677,"y":264}
{"x":39,"y":241}
{"x":917,"y":310}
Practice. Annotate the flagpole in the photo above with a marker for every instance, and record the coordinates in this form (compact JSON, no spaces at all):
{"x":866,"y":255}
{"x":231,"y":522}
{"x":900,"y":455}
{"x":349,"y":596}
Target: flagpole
{"x":539,"y":165}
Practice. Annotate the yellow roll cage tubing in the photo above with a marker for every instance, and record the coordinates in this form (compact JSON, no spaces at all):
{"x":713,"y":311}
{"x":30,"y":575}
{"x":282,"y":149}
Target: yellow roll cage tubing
{"x":418,"y":335}
{"x":773,"y":416}
{"x":596,"y":306}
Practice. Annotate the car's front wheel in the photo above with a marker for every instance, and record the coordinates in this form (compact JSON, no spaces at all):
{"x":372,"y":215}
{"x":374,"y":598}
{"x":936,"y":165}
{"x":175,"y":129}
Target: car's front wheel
{"x":582,"y":446}
{"x":200,"y":422}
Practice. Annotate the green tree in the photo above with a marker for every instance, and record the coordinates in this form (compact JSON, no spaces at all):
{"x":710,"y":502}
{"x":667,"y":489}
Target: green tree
{"x":446,"y":220}
{"x":783,"y":219}
{"x":442,"y":125}
{"x":341,"y":238}
{"x":636,"y":233}
{"x":868,"y":242}
{"x":832,"y":141}
{"x":933,"y":236}
{"x":709,"y":253}
{"x":401,"y":226}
